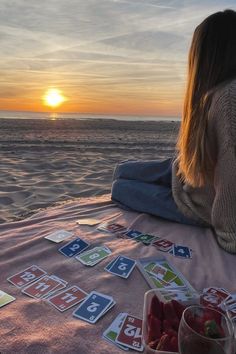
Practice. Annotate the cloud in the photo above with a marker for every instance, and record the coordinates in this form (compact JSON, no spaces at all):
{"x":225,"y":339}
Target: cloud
{"x":124,"y":48}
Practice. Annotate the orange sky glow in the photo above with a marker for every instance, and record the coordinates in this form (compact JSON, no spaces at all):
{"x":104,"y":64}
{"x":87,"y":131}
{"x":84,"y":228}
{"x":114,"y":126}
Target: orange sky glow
{"x":106,"y":57}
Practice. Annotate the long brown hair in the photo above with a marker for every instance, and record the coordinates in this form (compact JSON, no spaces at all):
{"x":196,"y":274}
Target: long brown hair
{"x":211,"y":62}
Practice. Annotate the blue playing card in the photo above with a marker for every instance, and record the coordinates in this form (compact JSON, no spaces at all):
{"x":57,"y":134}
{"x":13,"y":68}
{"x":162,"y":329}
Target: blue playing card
{"x":121,"y":266}
{"x":74,"y":247}
{"x":181,"y":251}
{"x":93,"y":307}
{"x":133,"y":233}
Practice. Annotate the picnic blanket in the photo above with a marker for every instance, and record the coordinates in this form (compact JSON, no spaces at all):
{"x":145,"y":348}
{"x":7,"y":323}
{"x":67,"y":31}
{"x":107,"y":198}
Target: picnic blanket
{"x":33,"y":326}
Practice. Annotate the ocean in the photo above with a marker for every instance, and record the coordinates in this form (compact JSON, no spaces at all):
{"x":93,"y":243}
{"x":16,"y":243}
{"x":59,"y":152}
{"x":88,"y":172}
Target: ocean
{"x":80,"y":116}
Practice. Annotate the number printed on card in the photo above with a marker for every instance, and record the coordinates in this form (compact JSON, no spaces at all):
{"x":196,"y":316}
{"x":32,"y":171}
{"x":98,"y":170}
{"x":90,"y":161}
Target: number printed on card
{"x":93,"y":307}
{"x":41,"y":287}
{"x":26,"y":276}
{"x":131,"y":333}
{"x":121,"y":266}
{"x":74,"y":247}
{"x":67,"y":298}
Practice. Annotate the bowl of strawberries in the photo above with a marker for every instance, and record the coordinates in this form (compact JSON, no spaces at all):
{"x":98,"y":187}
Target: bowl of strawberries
{"x":171,"y":327}
{"x":161,"y":321}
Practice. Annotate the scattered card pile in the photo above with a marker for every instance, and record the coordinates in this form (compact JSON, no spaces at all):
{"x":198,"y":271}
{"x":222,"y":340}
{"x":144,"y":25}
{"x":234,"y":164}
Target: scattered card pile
{"x":126,"y":332}
{"x":161,"y":244}
{"x":160,"y":274}
{"x":35,"y":282}
{"x":221,"y":298}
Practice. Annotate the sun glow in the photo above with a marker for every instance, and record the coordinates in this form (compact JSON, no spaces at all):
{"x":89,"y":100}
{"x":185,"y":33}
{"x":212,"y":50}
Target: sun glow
{"x":53,"y":98}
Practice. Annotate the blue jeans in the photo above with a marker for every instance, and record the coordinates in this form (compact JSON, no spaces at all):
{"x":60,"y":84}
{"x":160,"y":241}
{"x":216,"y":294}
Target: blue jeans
{"x":145,"y":186}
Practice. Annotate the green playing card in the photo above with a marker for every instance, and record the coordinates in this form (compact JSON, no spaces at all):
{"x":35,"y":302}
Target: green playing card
{"x":145,"y":238}
{"x":5,"y":298}
{"x":94,"y":255}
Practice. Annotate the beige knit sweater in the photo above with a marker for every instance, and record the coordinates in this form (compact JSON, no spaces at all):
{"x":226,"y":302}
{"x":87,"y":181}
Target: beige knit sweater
{"x":215,"y":204}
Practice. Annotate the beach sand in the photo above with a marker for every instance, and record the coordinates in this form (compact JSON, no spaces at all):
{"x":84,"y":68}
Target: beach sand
{"x":44,"y":162}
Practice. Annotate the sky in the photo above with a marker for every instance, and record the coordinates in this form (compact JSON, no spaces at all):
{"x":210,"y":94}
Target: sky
{"x":105,"y":56}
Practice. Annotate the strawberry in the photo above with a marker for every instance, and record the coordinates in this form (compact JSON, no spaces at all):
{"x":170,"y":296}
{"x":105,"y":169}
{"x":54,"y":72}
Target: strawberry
{"x":178,"y":307}
{"x":166,"y":326}
{"x":169,"y":312}
{"x":173,"y":345}
{"x":156,"y":308}
{"x":163,"y":342}
{"x":153,"y":344}
{"x":154,"y":331}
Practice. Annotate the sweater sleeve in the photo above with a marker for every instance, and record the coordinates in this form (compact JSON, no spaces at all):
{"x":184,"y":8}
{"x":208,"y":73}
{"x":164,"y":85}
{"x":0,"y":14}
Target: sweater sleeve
{"x":224,"y":205}
{"x":223,"y":216}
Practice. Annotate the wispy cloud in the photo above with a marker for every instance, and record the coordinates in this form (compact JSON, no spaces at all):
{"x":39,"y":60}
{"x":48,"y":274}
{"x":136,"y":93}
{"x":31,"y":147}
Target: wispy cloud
{"x":99,"y":50}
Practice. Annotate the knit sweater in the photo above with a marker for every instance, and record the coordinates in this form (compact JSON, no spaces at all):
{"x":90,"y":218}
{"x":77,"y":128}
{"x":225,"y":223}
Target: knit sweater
{"x":215,"y":204}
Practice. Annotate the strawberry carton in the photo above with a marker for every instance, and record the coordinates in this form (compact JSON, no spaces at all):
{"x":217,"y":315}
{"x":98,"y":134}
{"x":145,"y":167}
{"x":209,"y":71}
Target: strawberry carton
{"x":161,"y":319}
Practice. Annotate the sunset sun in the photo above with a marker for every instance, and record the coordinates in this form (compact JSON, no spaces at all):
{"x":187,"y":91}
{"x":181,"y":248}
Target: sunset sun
{"x":53,"y":98}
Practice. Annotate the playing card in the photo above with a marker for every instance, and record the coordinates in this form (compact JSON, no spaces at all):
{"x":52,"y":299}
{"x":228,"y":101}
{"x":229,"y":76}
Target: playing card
{"x":145,"y":238}
{"x":41,"y":287}
{"x":111,"y":227}
{"x":67,"y":298}
{"x":131,"y":333}
{"x":26,"y":276}
{"x":121,"y":266}
{"x":112,"y":331}
{"x":94,"y":256}
{"x":213,"y":296}
{"x":74,"y":247}
{"x":181,"y":251}
{"x":88,"y":222}
{"x":93,"y":307}
{"x":163,"y":245}
{"x":62,"y":285}
{"x":162,"y":273}
{"x":133,"y":233}
{"x":59,"y":236}
{"x":5,"y":298}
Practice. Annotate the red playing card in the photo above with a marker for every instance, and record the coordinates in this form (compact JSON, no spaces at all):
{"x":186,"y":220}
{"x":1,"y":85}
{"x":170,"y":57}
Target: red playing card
{"x":67,"y":298}
{"x":213,"y":297}
{"x":41,"y":287}
{"x":26,"y":276}
{"x":131,"y":333}
{"x":163,"y":245}
{"x":218,"y":292}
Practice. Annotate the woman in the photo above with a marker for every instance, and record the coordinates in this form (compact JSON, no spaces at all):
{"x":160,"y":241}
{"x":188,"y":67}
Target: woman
{"x":198,"y":187}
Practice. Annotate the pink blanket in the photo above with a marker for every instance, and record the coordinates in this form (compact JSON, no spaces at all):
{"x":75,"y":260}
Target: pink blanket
{"x":32,"y":326}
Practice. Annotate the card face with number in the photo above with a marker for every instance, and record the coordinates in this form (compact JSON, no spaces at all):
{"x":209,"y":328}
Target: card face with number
{"x":67,"y":298}
{"x":163,"y":245}
{"x":121,"y":266}
{"x":181,"y":251}
{"x":59,"y":236}
{"x":145,"y":238}
{"x":26,"y":276}
{"x":5,"y":298}
{"x":93,"y":307}
{"x":111,"y":333}
{"x":111,"y":227}
{"x":74,"y":247}
{"x":163,"y":273}
{"x":133,"y":233}
{"x":94,"y":256}
{"x":41,"y":287}
{"x":131,"y":333}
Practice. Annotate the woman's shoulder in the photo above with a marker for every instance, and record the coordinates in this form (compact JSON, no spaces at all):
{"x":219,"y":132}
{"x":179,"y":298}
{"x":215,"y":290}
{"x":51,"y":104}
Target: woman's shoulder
{"x":225,"y":93}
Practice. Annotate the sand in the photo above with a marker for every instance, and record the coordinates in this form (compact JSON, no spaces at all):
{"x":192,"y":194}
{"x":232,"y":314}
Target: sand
{"x":45,"y":162}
